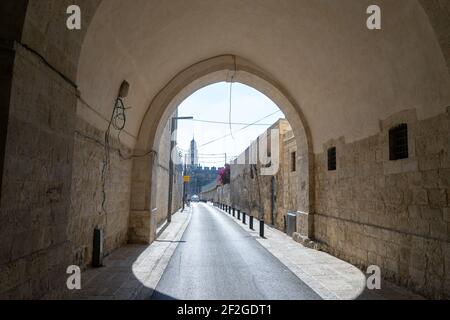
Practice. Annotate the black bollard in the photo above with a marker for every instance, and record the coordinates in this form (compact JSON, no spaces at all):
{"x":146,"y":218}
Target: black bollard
{"x":239,"y":215}
{"x":261,"y":228}
{"x":234,"y":212}
{"x":243,"y":217}
{"x":251,"y":222}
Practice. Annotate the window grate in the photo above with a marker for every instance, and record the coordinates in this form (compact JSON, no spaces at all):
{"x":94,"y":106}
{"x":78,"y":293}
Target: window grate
{"x":332,"y":159}
{"x":398,"y":142}
{"x":293,"y":161}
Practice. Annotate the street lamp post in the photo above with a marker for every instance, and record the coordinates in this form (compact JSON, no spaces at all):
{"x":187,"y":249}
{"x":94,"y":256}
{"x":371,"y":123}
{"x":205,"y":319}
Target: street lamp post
{"x":184,"y":182}
{"x":173,"y":127}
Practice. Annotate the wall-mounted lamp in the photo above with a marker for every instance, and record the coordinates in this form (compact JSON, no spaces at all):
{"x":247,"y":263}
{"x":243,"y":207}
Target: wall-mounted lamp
{"x":124,"y":88}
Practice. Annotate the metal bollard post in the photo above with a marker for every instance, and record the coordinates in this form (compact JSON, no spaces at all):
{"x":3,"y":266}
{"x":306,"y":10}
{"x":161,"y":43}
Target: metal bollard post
{"x":239,"y":215}
{"x":243,"y":217}
{"x":261,"y":228}
{"x":251,"y":222}
{"x":234,"y":212}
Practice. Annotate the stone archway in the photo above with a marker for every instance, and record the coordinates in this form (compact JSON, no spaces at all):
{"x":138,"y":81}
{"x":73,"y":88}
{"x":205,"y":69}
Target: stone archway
{"x":191,"y":79}
{"x":43,"y":60}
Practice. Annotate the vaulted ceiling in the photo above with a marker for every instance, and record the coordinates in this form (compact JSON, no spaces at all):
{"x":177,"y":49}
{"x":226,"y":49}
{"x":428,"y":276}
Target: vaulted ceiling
{"x":344,"y":76}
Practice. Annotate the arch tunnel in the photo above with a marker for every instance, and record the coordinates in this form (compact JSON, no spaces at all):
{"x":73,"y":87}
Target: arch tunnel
{"x":339,"y":84}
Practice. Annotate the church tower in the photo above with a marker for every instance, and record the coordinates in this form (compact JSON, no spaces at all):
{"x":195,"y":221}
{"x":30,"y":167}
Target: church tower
{"x":193,"y":154}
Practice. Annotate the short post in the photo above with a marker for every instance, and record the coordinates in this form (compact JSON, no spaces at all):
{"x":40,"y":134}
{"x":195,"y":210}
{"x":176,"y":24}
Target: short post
{"x":243,"y":217}
{"x":261,"y":228}
{"x":239,"y":215}
{"x":234,"y":212}
{"x":251,"y":222}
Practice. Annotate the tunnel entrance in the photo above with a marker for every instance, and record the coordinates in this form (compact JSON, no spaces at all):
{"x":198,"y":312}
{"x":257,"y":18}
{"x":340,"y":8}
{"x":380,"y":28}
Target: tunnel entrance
{"x":216,"y":70}
{"x":343,"y":88}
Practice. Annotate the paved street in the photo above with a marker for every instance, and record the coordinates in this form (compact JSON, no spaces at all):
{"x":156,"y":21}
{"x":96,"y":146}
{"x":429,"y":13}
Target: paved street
{"x":216,"y":259}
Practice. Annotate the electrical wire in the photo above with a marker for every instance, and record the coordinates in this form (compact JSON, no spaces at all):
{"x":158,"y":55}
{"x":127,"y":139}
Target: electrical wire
{"x":233,"y":123}
{"x":117,"y":122}
{"x":227,"y":135}
{"x":231,"y":103}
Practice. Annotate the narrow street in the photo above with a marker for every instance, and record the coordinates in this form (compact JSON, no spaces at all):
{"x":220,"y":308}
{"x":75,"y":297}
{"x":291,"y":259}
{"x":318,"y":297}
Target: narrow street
{"x":216,"y":260}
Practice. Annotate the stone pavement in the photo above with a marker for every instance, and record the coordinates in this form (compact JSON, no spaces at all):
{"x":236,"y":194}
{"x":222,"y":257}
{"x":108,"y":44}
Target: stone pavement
{"x":328,"y":276}
{"x":133,"y":271}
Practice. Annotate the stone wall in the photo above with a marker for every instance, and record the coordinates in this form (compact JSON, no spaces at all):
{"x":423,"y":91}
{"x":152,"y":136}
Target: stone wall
{"x":162,"y":197}
{"x":35,"y":247}
{"x":267,"y":197}
{"x":394,"y":214}
{"x":87,"y":211}
{"x":36,"y":183}
{"x":222,"y":194}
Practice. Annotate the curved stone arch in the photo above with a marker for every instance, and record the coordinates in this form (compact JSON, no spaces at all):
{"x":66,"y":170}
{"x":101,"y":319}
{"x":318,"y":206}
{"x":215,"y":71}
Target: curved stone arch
{"x":188,"y":81}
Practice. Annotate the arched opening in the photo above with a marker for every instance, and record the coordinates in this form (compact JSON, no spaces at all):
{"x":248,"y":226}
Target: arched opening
{"x":342,"y":87}
{"x":183,"y":85}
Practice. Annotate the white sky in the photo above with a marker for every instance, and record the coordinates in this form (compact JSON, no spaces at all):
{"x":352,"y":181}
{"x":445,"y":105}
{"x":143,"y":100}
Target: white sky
{"x":212,"y":103}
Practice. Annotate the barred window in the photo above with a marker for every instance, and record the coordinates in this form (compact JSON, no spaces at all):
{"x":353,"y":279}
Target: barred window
{"x":398,"y":142}
{"x":332,"y":159}
{"x":293,"y":161}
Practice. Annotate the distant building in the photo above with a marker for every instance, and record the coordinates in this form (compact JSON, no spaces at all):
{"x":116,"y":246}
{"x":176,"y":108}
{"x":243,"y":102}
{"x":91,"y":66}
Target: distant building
{"x":192,"y":158}
{"x":199,"y":176}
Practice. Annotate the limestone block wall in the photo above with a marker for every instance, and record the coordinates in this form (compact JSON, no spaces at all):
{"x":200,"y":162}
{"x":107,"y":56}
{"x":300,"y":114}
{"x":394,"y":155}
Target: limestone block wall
{"x":163,"y":160}
{"x":394,"y":214}
{"x":222,"y":194}
{"x":163,"y":163}
{"x":177,"y":201}
{"x":252,"y":192}
{"x":86,"y":210}
{"x":35,"y":193}
{"x":291,"y":186}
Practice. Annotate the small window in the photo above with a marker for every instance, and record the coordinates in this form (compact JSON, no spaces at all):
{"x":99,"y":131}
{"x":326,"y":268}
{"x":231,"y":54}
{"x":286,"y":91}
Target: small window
{"x":293,"y":161}
{"x":253,"y":171}
{"x":332,"y":159}
{"x":398,"y":142}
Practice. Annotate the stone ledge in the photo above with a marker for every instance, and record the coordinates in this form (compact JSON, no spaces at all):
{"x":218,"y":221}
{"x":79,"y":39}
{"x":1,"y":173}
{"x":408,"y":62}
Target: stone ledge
{"x":306,"y":242}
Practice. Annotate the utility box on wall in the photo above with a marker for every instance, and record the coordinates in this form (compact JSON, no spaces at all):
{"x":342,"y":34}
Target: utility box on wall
{"x":97,"y":252}
{"x":291,"y":223}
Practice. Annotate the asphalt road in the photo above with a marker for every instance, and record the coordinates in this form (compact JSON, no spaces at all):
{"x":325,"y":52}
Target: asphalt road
{"x":217,"y":260}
